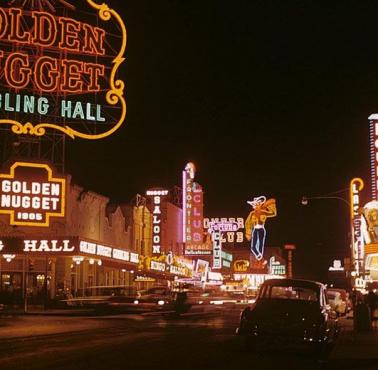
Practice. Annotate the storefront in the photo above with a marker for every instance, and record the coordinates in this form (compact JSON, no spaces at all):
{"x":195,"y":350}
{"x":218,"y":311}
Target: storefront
{"x":46,"y":269}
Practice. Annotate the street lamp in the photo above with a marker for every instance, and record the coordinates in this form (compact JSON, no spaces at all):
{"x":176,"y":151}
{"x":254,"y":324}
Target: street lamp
{"x":356,"y":242}
{"x":306,"y":199}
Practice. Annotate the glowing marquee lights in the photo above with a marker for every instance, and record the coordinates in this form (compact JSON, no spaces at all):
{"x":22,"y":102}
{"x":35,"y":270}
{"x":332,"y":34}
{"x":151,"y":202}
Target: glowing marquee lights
{"x":38,"y":66}
{"x":373,"y":133}
{"x":31,"y":195}
{"x":109,"y":252}
{"x":158,"y":196}
{"x":356,"y":186}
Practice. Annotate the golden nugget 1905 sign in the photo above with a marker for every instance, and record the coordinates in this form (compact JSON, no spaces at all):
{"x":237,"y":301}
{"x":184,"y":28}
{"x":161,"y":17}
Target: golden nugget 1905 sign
{"x":31,"y":195}
{"x":59,"y":68}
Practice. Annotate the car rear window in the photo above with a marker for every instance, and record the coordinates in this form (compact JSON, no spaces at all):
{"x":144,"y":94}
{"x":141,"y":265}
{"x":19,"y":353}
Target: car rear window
{"x":290,"y":292}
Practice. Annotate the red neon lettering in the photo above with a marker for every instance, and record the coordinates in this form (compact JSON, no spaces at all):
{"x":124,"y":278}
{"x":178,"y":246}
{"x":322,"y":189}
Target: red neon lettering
{"x":69,"y":34}
{"x":45,"y":29}
{"x":71,"y":76}
{"x":93,"y":40}
{"x":46,"y":75}
{"x":3,"y":23}
{"x":15,"y":15}
{"x":17,"y":71}
{"x":94,"y":71}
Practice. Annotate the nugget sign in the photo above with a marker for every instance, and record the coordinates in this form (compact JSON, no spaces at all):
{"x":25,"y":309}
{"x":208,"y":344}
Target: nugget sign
{"x":31,"y":195}
{"x":59,"y":68}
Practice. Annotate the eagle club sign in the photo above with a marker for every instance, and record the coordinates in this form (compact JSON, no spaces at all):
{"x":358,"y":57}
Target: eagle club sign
{"x":31,"y":195}
{"x":59,"y":69}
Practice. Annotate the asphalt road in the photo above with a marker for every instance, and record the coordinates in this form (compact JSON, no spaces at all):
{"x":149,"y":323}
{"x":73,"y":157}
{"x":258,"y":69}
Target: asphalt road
{"x":133,"y":342}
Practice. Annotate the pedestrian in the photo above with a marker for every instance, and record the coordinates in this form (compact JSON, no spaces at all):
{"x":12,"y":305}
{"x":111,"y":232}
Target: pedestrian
{"x":371,"y":301}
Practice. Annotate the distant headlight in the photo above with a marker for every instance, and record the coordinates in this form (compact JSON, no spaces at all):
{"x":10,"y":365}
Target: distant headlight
{"x":161,"y":303}
{"x":136,"y":302}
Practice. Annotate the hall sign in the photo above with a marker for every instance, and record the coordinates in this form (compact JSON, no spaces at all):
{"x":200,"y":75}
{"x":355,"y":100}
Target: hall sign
{"x":37,"y":246}
{"x":58,"y":69}
{"x":31,"y":195}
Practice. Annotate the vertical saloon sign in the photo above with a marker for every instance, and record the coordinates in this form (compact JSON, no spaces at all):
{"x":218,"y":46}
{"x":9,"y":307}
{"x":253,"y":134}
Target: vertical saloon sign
{"x":31,"y":195}
{"x":59,"y":67}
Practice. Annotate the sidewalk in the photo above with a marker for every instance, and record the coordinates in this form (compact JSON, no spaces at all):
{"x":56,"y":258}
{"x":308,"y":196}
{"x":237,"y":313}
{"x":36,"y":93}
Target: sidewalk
{"x":40,"y":310}
{"x":355,"y":350}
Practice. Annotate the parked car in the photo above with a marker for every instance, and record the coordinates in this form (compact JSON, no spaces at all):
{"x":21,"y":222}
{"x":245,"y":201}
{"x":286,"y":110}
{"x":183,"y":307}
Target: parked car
{"x":337,"y":302}
{"x":289,"y":313}
{"x":104,"y":297}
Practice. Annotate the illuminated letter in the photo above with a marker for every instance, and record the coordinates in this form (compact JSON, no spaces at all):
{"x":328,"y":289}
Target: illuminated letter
{"x":70,"y":34}
{"x":55,"y":189}
{"x":71,"y":76}
{"x":30,"y":245}
{"x":46,"y":74}
{"x":43,"y":105}
{"x":14,"y":35}
{"x":6,"y":186}
{"x":16,"y":72}
{"x":44,"y":246}
{"x":3,"y":23}
{"x":93,"y":40}
{"x":45,"y":29}
{"x":5,"y":200}
{"x":54,"y":247}
{"x":78,"y":111}
{"x":94,"y":71}
{"x":66,"y":108}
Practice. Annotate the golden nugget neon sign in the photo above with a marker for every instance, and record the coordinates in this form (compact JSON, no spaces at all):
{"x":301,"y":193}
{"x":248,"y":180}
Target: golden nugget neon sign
{"x":31,"y":195}
{"x":63,"y":73}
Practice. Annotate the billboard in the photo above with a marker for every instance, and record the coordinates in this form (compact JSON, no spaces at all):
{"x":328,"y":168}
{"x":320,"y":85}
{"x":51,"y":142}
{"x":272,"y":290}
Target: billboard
{"x":31,"y":195}
{"x":59,"y":65}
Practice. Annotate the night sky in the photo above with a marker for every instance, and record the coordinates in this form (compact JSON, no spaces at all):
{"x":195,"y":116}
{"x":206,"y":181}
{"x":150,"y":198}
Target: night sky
{"x":266,"y":97}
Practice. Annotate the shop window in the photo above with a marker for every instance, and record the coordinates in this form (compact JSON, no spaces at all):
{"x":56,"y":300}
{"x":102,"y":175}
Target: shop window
{"x":6,"y":281}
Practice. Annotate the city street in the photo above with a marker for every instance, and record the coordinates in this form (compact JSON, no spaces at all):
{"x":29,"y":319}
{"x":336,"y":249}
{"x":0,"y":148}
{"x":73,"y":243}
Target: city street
{"x":202,"y":341}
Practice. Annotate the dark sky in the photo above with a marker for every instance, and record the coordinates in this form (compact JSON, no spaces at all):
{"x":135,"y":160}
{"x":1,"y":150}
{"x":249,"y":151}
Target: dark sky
{"x":266,"y":97}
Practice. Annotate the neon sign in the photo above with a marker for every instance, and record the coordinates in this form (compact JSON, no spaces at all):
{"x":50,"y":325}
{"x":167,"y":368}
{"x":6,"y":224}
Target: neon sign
{"x":62,"y":75}
{"x":276,"y":267}
{"x":216,"y":237}
{"x":31,"y":195}
{"x":356,"y":186}
{"x":108,"y":252}
{"x":336,"y":266}
{"x":241,"y":265}
{"x":232,"y":229}
{"x":192,"y":203}
{"x":373,"y":133}
{"x":157,"y":199}
{"x":56,"y":246}
{"x":255,"y":223}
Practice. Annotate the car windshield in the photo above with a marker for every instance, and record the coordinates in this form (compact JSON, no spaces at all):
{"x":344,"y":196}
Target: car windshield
{"x":297,"y":293}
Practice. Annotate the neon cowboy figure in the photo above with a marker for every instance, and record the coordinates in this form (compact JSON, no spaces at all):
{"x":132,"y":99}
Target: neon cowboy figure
{"x":254,"y":225}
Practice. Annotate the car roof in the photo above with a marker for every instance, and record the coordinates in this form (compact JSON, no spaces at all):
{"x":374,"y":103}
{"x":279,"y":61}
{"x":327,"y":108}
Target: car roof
{"x":298,"y":282}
